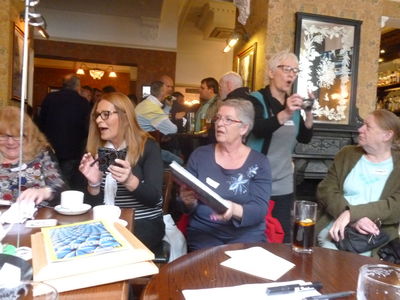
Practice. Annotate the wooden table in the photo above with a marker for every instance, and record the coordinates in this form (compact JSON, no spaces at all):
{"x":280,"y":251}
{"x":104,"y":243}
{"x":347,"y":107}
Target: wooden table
{"x":117,"y":290}
{"x":337,"y":270}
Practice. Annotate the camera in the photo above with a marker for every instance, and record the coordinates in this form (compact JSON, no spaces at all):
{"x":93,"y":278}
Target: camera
{"x":307,"y":104}
{"x":107,"y":157}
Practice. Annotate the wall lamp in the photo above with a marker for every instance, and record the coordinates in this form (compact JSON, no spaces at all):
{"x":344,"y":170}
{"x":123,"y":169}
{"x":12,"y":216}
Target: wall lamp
{"x":239,"y":33}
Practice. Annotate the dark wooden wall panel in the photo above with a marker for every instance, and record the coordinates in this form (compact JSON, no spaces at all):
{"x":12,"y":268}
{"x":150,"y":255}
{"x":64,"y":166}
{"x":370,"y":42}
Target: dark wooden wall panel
{"x":151,"y":64}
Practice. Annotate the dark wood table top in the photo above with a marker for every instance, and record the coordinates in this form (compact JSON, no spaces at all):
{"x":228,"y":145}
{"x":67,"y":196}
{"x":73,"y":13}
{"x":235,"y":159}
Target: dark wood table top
{"x":337,"y":270}
{"x":117,"y":290}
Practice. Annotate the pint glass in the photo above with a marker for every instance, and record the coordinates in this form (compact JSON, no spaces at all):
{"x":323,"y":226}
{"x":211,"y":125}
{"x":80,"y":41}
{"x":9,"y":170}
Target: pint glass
{"x":305,"y":216}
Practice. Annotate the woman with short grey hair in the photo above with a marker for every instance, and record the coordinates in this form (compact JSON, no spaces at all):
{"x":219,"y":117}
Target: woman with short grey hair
{"x":238,"y":174}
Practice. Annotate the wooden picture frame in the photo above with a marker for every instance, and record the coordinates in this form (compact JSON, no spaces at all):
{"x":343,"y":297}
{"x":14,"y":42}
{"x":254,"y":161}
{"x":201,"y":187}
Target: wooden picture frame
{"x":328,"y":51}
{"x":17,"y":57}
{"x":245,"y":65}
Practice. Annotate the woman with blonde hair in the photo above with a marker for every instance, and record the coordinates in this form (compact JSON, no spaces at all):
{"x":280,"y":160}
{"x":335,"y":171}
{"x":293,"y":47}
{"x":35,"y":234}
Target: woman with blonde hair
{"x":136,"y":180}
{"x":362,"y":185}
{"x":40,"y":175}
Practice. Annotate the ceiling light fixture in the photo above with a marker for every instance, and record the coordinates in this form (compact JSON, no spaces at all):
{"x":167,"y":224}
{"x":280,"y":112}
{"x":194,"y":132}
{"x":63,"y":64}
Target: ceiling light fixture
{"x":96,"y":73}
{"x":111,"y":73}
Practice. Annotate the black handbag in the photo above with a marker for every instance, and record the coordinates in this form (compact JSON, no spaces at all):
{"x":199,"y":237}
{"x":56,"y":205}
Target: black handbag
{"x":391,"y":251}
{"x":357,"y":242}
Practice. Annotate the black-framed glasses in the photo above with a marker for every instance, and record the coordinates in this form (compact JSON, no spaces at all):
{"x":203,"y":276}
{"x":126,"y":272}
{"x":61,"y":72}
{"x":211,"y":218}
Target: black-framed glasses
{"x":5,"y":137}
{"x":105,"y":114}
{"x":225,"y":120}
{"x":288,"y":69}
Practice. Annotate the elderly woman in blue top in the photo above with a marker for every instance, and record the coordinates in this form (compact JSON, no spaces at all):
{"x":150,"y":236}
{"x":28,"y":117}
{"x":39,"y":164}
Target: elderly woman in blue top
{"x":238,"y":174}
{"x":363,"y":183}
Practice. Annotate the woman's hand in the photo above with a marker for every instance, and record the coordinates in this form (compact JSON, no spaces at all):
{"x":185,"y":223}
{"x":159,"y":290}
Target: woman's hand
{"x":188,"y":196}
{"x":90,"y":169}
{"x":121,"y":171}
{"x":235,"y":210}
{"x":36,"y":195}
{"x":366,"y":226}
{"x":337,"y":229}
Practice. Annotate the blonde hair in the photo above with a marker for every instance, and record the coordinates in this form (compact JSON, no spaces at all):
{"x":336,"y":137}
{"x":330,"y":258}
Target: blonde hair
{"x":134,"y":136}
{"x":34,"y":141}
{"x":387,"y":120}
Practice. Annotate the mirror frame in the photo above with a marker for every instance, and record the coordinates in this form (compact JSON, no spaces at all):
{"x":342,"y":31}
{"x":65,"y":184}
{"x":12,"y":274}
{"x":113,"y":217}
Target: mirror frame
{"x":315,"y":42}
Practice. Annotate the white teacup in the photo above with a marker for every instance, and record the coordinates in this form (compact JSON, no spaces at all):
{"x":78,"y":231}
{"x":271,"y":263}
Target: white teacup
{"x":72,"y":200}
{"x":106,"y":212}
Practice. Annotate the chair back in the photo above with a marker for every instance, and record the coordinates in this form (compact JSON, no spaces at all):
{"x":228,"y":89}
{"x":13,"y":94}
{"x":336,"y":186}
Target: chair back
{"x":167,"y":190}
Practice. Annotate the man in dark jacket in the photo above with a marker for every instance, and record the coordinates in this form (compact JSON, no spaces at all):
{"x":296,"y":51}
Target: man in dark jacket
{"x":64,"y":119}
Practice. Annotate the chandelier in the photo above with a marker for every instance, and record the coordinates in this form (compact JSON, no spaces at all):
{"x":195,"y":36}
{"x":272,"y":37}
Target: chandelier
{"x":96,"y":73}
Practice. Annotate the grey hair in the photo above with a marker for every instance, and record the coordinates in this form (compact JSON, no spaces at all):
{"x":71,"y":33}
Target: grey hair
{"x":71,"y":82}
{"x":279,"y":57}
{"x":155,"y":88}
{"x":245,"y":111}
{"x":234,"y":78}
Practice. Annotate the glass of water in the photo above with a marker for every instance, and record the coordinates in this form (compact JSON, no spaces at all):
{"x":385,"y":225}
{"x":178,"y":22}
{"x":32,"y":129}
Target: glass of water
{"x":378,"y":282}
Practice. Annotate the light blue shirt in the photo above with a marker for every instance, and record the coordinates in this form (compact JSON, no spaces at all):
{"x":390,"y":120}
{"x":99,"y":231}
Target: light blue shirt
{"x":364,"y":184}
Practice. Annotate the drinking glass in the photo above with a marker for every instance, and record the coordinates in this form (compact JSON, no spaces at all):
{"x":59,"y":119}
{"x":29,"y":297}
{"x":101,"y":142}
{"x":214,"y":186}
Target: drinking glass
{"x":305,"y":217}
{"x":378,"y":282}
{"x":28,"y":290}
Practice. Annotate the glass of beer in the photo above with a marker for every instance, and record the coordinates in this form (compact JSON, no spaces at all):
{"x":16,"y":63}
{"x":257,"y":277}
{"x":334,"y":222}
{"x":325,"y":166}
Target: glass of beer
{"x":305,"y":216}
{"x":378,"y":282}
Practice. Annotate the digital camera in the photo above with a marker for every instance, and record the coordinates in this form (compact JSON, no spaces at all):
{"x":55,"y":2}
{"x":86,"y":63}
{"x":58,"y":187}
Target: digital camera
{"x":107,"y":157}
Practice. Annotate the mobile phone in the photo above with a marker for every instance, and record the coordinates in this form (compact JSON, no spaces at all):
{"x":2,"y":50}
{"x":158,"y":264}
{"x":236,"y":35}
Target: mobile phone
{"x":107,"y":157}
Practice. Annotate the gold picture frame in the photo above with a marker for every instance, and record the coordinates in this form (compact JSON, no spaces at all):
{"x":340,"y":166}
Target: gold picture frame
{"x":245,"y":65}
{"x":17,"y":56}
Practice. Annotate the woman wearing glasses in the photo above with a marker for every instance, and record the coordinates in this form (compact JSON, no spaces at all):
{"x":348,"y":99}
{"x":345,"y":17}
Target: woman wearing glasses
{"x":135,"y":181}
{"x":235,"y":172}
{"x":40,"y":176}
{"x":277,"y":126}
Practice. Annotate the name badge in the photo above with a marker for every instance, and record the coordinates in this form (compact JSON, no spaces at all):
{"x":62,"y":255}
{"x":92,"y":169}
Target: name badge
{"x":212,"y":183}
{"x":381,"y":172}
{"x":289,"y":123}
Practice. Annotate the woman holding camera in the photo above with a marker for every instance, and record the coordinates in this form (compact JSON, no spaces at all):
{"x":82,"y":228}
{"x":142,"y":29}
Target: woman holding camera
{"x":135,"y":181}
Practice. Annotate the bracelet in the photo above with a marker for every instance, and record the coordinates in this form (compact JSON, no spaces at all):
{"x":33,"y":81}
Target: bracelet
{"x":94,"y":185}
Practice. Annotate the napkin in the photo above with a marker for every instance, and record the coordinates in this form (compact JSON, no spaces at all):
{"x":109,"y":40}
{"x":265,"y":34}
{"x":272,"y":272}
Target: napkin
{"x":18,"y":212}
{"x":258,"y":262}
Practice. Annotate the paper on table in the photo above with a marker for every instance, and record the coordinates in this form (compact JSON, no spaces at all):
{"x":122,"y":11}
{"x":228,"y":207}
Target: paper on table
{"x":255,"y":291}
{"x":18,"y":212}
{"x":259,"y":262}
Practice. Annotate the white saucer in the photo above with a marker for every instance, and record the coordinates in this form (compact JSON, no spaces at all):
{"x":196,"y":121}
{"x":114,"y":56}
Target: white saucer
{"x":84,"y":208}
{"x":122,"y":222}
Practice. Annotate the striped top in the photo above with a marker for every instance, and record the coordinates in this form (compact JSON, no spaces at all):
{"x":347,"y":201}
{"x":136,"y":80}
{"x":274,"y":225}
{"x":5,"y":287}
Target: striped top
{"x":147,"y":198}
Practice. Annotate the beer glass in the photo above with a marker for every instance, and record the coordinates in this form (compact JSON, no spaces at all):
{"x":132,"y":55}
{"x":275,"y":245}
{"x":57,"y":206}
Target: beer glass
{"x":305,"y":216}
{"x":378,"y":282}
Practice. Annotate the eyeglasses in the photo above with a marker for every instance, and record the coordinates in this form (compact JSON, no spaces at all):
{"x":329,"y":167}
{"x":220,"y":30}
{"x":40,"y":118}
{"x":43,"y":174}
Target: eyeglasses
{"x":105,"y":114}
{"x":288,"y":69}
{"x":225,"y":120}
{"x":5,"y":137}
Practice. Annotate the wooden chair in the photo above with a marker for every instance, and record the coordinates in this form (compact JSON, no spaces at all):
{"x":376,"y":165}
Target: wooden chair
{"x":162,"y":255}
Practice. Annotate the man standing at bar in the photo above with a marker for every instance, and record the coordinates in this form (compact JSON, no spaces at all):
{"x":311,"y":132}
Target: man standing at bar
{"x":209,"y":102}
{"x":64,"y":119}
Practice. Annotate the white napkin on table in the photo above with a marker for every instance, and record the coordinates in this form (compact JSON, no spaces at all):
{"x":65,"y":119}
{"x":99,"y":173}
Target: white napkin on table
{"x":259,"y":262}
{"x":18,"y":212}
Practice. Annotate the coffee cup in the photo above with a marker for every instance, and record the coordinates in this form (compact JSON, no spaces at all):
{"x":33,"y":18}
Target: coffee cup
{"x":72,"y":200}
{"x":106,"y":212}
